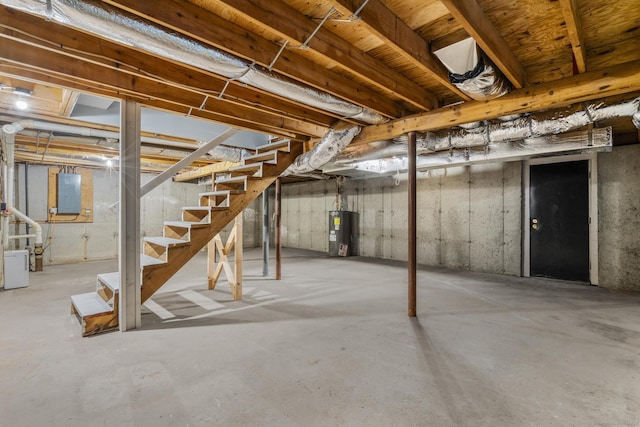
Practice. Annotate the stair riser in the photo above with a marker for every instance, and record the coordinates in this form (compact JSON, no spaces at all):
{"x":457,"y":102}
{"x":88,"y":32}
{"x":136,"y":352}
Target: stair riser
{"x":267,"y":158}
{"x":156,"y":251}
{"x":223,"y":186}
{"x":174,"y":232}
{"x":195,"y":216}
{"x":216,"y":201}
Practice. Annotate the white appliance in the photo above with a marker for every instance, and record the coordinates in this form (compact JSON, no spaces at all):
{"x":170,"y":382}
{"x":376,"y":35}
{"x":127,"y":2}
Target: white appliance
{"x":16,"y":269}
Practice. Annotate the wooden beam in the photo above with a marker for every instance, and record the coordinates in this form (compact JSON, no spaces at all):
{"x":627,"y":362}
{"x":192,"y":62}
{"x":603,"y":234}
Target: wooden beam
{"x":400,"y":37}
{"x":145,"y":88}
{"x":470,"y":15}
{"x":294,"y":26}
{"x":574,"y":28}
{"x":616,"y":80}
{"x":206,"y":27}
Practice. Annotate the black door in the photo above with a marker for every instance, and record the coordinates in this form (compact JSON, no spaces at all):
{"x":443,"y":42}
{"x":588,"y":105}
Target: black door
{"x":559,"y":220}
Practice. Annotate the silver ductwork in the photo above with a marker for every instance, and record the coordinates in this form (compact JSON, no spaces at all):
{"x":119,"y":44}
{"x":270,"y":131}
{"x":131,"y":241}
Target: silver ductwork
{"x":471,"y":71}
{"x":114,"y":24}
{"x":108,"y":139}
{"x":324,"y":151}
{"x":528,"y":135}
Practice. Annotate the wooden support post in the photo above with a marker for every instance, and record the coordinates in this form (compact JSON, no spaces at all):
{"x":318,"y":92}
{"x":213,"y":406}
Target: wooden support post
{"x":236,"y":289}
{"x":412,"y":259}
{"x":278,"y":229}
{"x":129,"y":222}
{"x":265,"y":232}
{"x":234,"y":275}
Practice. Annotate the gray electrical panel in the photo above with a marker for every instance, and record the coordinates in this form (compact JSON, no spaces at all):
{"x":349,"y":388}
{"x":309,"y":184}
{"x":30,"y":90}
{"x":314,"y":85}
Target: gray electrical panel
{"x":69,"y":193}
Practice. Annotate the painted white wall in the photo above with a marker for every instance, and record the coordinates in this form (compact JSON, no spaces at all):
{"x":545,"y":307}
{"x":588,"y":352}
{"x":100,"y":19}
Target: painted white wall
{"x":69,"y":243}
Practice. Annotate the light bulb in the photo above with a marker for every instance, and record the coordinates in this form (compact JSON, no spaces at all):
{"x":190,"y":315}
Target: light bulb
{"x":109,"y":163}
{"x":21,"y":104}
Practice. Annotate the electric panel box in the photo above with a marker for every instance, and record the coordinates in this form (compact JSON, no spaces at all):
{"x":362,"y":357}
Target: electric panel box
{"x":343,"y":233}
{"x":69,"y":185}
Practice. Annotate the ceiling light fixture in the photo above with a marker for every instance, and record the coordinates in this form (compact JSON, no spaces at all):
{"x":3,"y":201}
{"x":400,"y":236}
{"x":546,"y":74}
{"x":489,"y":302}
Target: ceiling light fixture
{"x":21,"y":104}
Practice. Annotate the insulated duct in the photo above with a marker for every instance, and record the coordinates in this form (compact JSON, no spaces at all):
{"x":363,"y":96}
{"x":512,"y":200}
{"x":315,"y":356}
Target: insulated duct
{"x":324,"y":151}
{"x":471,"y":71}
{"x":218,"y":153}
{"x":113,"y":24}
{"x":510,"y":135}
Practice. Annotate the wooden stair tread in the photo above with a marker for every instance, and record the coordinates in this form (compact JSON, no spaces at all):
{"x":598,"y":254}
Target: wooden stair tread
{"x":185,"y":224}
{"x":146,"y":260}
{"x":110,"y":280}
{"x":231,"y":179}
{"x":166,"y":241}
{"x":204,"y":208}
{"x":267,"y":157}
{"x":90,"y":304}
{"x":221,"y":193}
{"x":250,"y":166}
{"x":272,"y":146}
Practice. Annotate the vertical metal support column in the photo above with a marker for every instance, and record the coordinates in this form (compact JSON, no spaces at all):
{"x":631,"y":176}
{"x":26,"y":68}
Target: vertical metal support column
{"x":412,"y":259}
{"x":129,"y":228}
{"x":265,"y":232}
{"x":278,"y":229}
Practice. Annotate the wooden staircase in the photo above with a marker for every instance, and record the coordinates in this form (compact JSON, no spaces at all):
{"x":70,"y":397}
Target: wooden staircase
{"x":163,"y":256}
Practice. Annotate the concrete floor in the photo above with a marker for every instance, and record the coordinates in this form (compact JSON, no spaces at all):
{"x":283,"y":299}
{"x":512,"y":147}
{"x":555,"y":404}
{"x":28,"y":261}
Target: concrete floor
{"x":329,"y":345}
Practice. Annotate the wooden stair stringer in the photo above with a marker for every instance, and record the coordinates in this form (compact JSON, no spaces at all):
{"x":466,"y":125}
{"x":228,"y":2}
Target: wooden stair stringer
{"x":154,"y":277}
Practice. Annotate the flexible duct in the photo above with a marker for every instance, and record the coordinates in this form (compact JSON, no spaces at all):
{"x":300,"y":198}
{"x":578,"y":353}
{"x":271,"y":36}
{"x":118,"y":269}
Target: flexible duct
{"x":324,"y":151}
{"x":113,"y":24}
{"x":471,"y":71}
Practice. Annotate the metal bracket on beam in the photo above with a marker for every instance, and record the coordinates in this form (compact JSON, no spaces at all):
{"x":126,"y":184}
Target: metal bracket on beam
{"x":355,"y":17}
{"x":305,"y":45}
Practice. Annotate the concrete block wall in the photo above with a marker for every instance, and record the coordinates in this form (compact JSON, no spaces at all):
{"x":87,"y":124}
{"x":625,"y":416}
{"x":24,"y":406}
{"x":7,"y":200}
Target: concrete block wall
{"x":68,"y":243}
{"x":619,"y":218}
{"x":468,"y":217}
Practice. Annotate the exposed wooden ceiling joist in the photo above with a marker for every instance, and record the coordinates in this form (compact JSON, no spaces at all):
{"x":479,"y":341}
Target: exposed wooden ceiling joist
{"x":471,"y":16}
{"x":292,"y":25}
{"x":83,"y":45}
{"x":398,"y":35}
{"x":615,"y":80}
{"x":208,"y":28}
{"x":145,"y":88}
{"x":574,"y":28}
